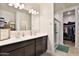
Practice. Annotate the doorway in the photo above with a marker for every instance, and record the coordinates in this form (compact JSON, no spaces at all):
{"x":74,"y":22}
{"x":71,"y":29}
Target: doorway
{"x":69,"y":28}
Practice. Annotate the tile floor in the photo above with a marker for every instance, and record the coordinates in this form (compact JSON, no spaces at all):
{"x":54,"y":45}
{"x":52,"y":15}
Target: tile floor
{"x":45,"y":54}
{"x":69,"y":43}
{"x":72,"y":52}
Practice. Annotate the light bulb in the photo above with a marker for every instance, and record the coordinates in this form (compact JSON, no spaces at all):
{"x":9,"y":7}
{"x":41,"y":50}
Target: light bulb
{"x":10,"y":4}
{"x":37,"y":12}
{"x":30,"y":11}
{"x":22,"y":6}
{"x":16,"y":5}
{"x":33,"y":12}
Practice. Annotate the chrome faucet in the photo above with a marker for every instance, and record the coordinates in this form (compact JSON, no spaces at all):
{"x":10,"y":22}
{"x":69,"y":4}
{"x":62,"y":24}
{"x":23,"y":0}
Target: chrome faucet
{"x":23,"y":34}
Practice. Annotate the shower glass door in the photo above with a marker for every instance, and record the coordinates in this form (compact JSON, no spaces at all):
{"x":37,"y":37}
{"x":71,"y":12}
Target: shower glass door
{"x":56,"y":32}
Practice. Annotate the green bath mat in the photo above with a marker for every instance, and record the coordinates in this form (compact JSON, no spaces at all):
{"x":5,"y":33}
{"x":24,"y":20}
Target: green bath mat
{"x":63,"y":48}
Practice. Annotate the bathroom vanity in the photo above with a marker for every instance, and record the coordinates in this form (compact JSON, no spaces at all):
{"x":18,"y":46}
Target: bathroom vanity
{"x":24,"y":46}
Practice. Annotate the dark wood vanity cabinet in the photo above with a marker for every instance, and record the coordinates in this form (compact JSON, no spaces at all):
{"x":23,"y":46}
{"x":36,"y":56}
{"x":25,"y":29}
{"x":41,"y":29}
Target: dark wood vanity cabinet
{"x":17,"y":52}
{"x":30,"y":50}
{"x":44,"y":44}
{"x":25,"y":49}
{"x":41,"y":45}
{"x":32,"y":47}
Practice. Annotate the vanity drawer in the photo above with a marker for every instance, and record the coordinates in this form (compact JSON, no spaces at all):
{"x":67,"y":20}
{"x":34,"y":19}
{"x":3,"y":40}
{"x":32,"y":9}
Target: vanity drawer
{"x":14,"y":46}
{"x":10,"y":47}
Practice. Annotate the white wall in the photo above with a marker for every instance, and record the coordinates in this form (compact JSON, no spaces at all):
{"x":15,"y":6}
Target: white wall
{"x":35,"y":24}
{"x":7,"y":12}
{"x":47,"y":24}
{"x":77,"y":29}
{"x":7,"y":15}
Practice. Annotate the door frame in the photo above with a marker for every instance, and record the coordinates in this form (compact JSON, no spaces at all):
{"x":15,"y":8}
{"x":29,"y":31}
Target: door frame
{"x":76,"y":15}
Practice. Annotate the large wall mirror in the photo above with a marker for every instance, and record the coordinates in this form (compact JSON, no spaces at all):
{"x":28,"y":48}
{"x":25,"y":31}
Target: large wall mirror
{"x":13,"y":18}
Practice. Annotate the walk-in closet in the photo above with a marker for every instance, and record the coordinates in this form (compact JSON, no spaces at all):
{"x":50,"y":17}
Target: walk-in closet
{"x":69,"y":27}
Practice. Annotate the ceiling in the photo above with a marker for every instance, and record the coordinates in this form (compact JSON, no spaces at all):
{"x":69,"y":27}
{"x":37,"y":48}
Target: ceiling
{"x":63,"y":6}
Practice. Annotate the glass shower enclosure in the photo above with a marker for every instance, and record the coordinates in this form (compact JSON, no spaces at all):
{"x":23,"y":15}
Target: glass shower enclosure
{"x":56,"y":33}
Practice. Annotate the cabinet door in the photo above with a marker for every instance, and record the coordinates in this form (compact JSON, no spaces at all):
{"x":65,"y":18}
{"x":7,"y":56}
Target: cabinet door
{"x":30,"y":50}
{"x":39,"y":46}
{"x":44,"y":44}
{"x":17,"y":52}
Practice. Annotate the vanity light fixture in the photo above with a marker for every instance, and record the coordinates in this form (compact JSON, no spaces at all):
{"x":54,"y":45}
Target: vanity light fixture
{"x":33,"y":11}
{"x":30,"y":10}
{"x":17,"y":5}
{"x":10,"y":4}
{"x":21,"y":6}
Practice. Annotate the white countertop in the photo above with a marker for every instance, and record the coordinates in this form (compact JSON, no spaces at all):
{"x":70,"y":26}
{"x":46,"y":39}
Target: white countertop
{"x":15,"y":40}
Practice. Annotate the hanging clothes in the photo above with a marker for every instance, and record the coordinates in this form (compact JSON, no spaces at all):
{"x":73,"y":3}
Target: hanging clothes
{"x":69,"y":32}
{"x":66,"y":30}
